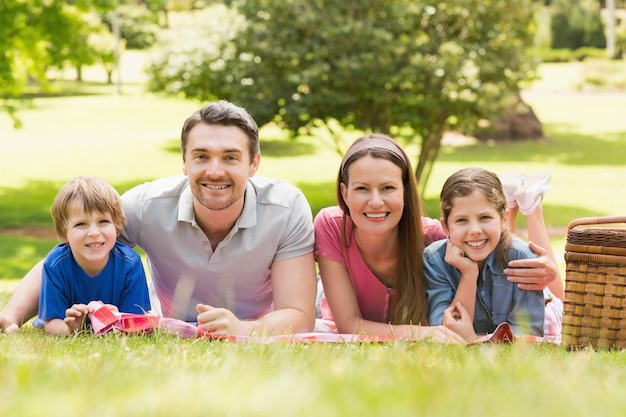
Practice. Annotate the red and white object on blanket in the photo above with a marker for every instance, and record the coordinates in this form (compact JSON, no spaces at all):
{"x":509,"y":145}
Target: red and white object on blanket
{"x":104,"y":320}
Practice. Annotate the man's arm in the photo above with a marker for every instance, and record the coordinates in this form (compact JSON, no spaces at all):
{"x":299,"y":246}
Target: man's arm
{"x":24,"y":302}
{"x":294,"y":286}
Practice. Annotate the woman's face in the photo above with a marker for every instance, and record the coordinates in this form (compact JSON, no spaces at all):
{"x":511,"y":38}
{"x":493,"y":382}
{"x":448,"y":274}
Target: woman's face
{"x":374,"y":194}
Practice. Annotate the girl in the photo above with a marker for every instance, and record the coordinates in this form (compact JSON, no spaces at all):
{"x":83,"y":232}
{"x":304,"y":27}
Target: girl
{"x":464,"y":273}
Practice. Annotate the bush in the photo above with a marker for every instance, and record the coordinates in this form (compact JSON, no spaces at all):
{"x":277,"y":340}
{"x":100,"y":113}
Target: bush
{"x":543,"y":54}
{"x":585,"y":52}
{"x":547,"y":54}
{"x":577,"y":24}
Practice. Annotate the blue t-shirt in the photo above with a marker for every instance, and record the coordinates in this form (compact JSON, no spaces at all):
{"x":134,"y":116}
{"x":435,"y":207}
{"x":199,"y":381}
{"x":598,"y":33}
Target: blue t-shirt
{"x":122,"y":283}
{"x":497,"y":299}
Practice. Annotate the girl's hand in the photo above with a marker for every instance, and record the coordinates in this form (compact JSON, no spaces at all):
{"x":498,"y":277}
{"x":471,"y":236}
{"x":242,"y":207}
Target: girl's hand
{"x":439,"y":334}
{"x":457,"y":319}
{"x":455,"y":256}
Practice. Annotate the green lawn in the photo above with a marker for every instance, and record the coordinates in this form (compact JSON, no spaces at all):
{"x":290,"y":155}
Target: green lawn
{"x":132,"y":138}
{"x":164,"y":376}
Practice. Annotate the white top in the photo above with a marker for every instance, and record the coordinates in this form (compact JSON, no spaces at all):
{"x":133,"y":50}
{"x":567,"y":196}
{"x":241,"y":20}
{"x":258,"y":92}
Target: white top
{"x":275,"y":224}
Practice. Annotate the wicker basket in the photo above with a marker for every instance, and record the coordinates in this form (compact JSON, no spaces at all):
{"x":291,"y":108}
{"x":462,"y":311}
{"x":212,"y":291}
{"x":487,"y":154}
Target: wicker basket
{"x":595,"y":283}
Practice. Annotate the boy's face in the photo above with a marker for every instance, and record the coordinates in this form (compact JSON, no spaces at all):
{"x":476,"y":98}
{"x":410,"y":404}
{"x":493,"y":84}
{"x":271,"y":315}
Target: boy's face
{"x":91,"y":237}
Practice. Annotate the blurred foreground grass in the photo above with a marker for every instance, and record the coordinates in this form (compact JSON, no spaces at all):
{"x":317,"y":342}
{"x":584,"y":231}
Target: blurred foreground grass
{"x":160,"y":375}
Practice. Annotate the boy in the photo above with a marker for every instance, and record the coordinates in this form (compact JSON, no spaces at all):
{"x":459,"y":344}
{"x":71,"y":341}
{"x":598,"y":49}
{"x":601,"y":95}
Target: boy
{"x":89,"y":264}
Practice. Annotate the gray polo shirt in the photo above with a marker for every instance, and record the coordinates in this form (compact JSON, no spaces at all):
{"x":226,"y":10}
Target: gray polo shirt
{"x":276,"y":224}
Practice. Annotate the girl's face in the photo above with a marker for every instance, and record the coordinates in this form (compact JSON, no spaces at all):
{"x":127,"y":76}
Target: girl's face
{"x":91,"y":237}
{"x":374,"y":194}
{"x":474,"y":225}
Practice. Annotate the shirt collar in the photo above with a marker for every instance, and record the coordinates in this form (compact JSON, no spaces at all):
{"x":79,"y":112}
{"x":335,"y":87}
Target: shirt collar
{"x":246,"y":219}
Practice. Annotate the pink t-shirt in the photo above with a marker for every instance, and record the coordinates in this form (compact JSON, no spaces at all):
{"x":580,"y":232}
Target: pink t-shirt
{"x":375,"y":300}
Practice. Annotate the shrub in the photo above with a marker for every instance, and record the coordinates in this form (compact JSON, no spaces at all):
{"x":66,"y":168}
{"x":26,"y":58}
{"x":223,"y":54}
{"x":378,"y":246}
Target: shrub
{"x":577,"y":24}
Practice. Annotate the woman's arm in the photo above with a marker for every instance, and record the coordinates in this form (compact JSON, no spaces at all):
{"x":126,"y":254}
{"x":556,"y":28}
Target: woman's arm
{"x":343,"y":303}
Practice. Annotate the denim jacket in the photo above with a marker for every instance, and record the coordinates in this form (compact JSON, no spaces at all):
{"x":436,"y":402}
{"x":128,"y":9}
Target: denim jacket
{"x":497,"y":300}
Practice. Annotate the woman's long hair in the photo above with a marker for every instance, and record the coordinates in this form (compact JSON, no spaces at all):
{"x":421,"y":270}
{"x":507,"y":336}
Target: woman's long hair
{"x":410,"y":305}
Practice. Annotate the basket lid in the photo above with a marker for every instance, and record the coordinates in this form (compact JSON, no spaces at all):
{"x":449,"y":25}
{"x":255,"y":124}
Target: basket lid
{"x":598,"y":231}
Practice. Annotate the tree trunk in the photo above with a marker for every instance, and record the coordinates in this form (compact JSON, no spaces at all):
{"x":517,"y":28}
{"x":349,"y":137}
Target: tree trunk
{"x":431,"y":144}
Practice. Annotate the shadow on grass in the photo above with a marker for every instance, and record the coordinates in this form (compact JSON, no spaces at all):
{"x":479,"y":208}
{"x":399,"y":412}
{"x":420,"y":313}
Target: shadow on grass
{"x":565,"y":147}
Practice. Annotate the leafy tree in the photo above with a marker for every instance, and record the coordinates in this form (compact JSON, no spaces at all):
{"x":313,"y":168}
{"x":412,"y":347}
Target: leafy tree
{"x":577,"y":24}
{"x":36,"y":35}
{"x":199,"y":48}
{"x":393,"y":66}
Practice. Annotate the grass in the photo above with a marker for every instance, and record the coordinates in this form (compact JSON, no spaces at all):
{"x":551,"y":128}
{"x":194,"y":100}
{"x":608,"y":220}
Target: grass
{"x":164,"y":376}
{"x":133,"y":137}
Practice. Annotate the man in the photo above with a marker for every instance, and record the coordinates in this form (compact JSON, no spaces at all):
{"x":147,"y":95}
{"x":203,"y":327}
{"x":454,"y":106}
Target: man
{"x":229,"y":250}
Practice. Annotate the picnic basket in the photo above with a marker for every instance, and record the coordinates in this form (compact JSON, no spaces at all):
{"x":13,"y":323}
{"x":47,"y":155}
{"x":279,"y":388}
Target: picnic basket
{"x":595,"y":283}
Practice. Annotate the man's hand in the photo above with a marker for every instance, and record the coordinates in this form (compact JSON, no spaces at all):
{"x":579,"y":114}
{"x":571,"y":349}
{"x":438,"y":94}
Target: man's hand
{"x":220,"y":321}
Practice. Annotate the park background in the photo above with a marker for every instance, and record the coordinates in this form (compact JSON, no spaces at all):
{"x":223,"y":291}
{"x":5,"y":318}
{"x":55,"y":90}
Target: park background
{"x":128,"y":135}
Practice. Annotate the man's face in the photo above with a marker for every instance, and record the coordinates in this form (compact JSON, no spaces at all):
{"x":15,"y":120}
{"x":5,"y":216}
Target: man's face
{"x":217,"y":162}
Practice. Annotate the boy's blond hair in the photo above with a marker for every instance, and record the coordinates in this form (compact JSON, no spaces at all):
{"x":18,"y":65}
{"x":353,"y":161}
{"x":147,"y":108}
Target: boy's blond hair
{"x":94,"y":194}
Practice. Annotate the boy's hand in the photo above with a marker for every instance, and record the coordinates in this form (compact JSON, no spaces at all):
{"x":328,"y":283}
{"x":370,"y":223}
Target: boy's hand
{"x":75,"y":317}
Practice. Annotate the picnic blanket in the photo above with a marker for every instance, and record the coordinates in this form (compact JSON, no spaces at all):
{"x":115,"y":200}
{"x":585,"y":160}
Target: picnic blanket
{"x":104,"y":320}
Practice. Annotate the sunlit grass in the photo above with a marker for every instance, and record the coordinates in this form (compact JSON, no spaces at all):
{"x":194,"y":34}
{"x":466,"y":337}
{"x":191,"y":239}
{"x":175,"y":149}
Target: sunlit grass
{"x":164,"y":376}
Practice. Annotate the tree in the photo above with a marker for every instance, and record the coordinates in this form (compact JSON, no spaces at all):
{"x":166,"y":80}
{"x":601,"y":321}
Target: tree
{"x":386,"y":65}
{"x":36,"y":35}
{"x":576,"y":24}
